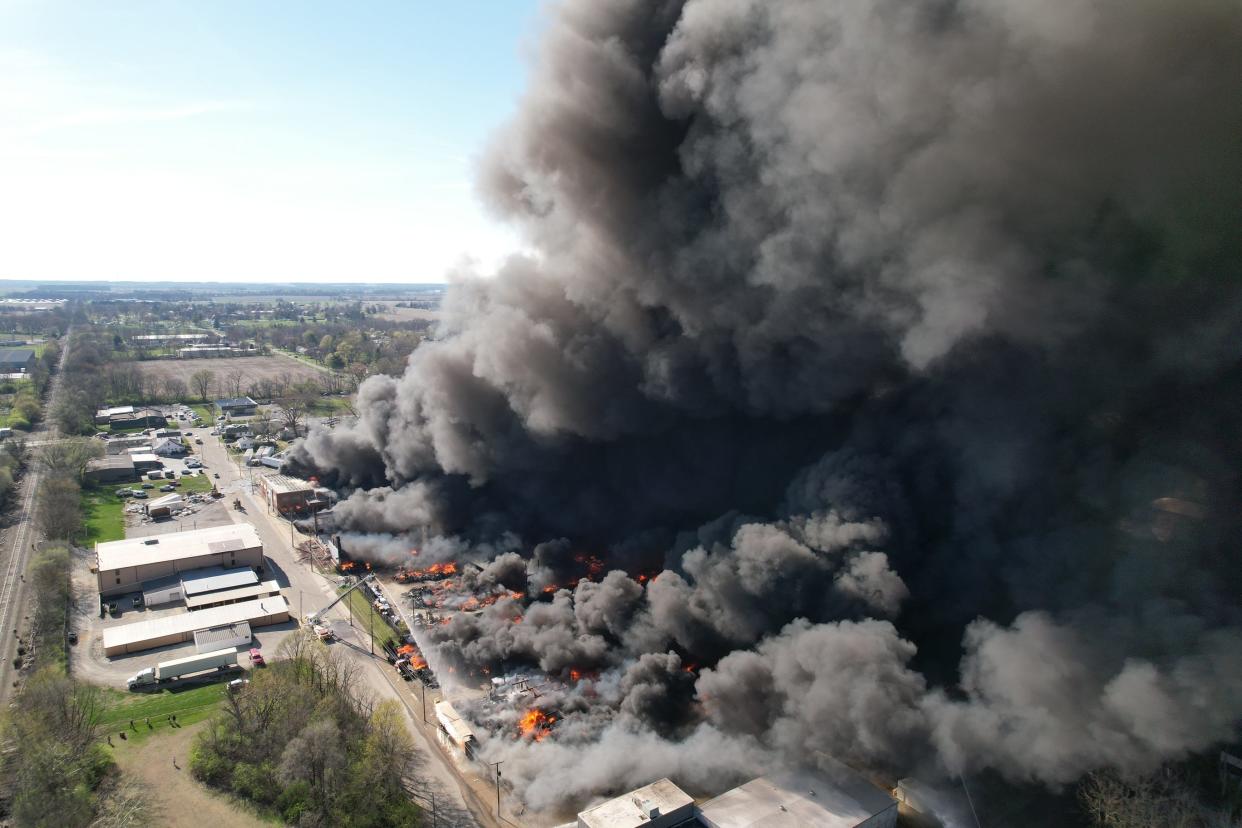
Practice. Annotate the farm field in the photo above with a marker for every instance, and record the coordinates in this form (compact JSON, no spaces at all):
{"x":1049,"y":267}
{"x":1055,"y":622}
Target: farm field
{"x":253,"y":369}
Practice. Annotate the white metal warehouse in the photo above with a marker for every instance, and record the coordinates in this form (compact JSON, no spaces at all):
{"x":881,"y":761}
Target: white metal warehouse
{"x":173,"y":629}
{"x":123,"y":565}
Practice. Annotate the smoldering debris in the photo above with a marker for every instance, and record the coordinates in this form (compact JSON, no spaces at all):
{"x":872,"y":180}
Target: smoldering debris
{"x":873,"y":361}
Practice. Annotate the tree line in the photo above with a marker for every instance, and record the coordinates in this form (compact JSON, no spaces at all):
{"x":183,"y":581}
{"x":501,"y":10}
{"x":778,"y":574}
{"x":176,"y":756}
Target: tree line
{"x":302,"y":741}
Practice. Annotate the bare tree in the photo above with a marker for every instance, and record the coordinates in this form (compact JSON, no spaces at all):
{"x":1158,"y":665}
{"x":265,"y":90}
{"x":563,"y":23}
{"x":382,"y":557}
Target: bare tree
{"x":1162,"y":798}
{"x":316,"y":755}
{"x":202,"y":381}
{"x":59,"y":511}
{"x":69,"y":457}
{"x":175,"y":389}
{"x":233,"y":382}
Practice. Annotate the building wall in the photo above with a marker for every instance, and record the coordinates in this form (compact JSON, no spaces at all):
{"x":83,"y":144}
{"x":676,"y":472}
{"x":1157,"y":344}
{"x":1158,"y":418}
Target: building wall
{"x":178,"y":638}
{"x":130,"y":578}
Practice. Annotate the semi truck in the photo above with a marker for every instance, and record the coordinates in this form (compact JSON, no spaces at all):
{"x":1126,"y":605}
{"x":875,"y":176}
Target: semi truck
{"x":167,"y":671}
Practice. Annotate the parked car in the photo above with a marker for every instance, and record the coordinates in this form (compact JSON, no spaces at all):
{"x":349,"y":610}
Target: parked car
{"x":170,"y":474}
{"x":173,"y":484}
{"x":73,"y":638}
{"x":236,"y":685}
{"x":256,"y":657}
{"x":124,"y":493}
{"x":148,"y":485}
{"x":216,"y":475}
{"x":198,"y":441}
{"x":140,"y":494}
{"x":168,"y":488}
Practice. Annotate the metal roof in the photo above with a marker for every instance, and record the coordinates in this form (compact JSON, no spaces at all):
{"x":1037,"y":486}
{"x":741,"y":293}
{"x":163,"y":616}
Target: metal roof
{"x":16,"y":356}
{"x":167,"y":500}
{"x":215,"y":578}
{"x":235,"y":402}
{"x":840,"y":798}
{"x":634,"y":809}
{"x":186,"y":622}
{"x":174,"y":546}
{"x":223,"y":636}
{"x":238,"y":594}
{"x":284,"y":484}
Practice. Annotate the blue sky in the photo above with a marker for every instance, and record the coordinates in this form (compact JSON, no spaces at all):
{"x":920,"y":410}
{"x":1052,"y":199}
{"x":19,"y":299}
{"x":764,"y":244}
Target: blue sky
{"x":252,"y":141}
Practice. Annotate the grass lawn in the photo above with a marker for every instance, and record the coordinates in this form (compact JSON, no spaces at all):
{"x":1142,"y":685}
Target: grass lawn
{"x":191,"y":704}
{"x":330,"y":405}
{"x":204,"y":410}
{"x":103,"y":516}
{"x":197,"y":483}
{"x":364,"y":613}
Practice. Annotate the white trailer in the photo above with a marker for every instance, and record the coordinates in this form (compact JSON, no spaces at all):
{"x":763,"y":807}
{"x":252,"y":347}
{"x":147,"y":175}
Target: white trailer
{"x":177,"y":668}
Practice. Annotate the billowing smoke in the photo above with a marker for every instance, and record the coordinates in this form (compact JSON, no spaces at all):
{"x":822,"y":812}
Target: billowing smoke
{"x":893,"y":347}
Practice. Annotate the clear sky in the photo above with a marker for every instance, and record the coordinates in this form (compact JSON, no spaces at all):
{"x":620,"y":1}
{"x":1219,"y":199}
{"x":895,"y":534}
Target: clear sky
{"x":252,"y":141}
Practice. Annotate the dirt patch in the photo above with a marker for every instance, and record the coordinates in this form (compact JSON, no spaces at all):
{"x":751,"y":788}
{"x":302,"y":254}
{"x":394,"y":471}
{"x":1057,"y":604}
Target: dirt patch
{"x":181,"y":801}
{"x":253,"y":370}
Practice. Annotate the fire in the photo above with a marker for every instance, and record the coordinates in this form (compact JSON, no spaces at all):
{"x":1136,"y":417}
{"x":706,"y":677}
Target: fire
{"x":549,"y":589}
{"x":347,"y":566}
{"x":436,"y":570}
{"x":575,"y":675}
{"x":536,"y":724}
{"x":406,"y":649}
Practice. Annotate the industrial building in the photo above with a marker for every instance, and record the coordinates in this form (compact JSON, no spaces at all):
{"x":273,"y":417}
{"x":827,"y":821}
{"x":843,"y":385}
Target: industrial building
{"x":658,"y":805}
{"x":122,"y":445}
{"x":286,"y":494}
{"x":104,"y":415}
{"x":219,"y":638}
{"x":146,"y":461}
{"x":16,"y":360}
{"x":138,"y":418}
{"x":122,"y":566}
{"x":237,"y":406}
{"x":839,"y":798}
{"x":174,"y":629}
{"x":119,"y":468}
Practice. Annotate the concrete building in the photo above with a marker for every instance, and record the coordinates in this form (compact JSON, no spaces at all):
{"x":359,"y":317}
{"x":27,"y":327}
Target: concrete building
{"x":286,"y":494}
{"x":658,"y":805}
{"x":17,"y":360}
{"x":119,"y":468}
{"x":237,"y":406}
{"x":838,"y":799}
{"x":122,"y":566}
{"x":174,"y":629}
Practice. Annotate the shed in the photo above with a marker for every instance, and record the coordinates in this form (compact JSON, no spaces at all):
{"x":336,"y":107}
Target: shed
{"x":146,"y":462}
{"x":222,"y":637}
{"x":164,"y":506}
{"x":164,"y":590}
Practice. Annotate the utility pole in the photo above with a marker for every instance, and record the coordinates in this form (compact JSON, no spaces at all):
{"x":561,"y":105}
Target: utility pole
{"x":371,"y":626}
{"x":497,"y":765}
{"x":424,"y":699}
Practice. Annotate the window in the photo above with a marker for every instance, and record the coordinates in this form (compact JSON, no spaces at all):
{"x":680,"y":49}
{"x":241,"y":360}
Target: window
{"x":118,"y":579}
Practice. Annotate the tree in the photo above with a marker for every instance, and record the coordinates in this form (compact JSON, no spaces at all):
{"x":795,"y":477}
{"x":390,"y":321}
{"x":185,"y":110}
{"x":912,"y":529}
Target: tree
{"x":69,"y":457}
{"x":175,"y":389}
{"x":202,"y":381}
{"x":316,"y":756}
{"x":1164,"y":798}
{"x":233,"y":382}
{"x":59,"y":510}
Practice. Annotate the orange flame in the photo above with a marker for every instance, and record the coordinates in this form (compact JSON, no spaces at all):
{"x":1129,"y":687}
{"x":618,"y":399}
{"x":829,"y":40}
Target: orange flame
{"x":536,"y":724}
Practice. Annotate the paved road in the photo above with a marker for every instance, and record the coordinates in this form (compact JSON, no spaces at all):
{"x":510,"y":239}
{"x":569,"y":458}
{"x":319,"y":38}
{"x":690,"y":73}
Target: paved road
{"x":458,"y":801}
{"x":18,"y":540}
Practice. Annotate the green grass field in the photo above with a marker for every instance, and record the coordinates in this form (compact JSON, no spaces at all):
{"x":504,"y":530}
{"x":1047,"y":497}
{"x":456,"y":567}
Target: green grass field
{"x":190,"y":704}
{"x":103,"y":516}
{"x":204,"y":410}
{"x":365,"y":614}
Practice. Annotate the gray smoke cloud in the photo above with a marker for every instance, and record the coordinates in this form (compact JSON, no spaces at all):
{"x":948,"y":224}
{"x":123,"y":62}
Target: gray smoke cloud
{"x":900,"y":335}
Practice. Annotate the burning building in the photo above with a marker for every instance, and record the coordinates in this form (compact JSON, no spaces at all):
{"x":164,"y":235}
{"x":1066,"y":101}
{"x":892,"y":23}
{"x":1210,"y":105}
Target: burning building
{"x":907,"y":386}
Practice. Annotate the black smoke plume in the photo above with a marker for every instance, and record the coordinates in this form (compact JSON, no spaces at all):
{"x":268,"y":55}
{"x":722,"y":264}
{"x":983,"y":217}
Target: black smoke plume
{"x":902,"y":340}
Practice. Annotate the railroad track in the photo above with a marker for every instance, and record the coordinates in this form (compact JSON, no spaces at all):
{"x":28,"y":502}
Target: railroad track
{"x":24,"y":533}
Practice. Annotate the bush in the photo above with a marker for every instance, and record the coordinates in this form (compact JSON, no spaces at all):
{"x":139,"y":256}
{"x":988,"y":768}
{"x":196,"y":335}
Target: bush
{"x":293,"y":801}
{"x":207,"y":765}
{"x":18,"y":422}
{"x":255,"y":782}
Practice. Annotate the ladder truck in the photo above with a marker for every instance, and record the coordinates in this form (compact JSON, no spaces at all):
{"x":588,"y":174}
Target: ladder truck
{"x":314,"y":619}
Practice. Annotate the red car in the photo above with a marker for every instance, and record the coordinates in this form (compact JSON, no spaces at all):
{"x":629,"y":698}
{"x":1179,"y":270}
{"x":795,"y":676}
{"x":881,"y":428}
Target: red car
{"x":256,"y":658}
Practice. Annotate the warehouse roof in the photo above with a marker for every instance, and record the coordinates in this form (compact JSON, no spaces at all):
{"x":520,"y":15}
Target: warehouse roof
{"x":16,"y":356}
{"x":239,"y":594}
{"x":635,"y":808}
{"x":234,"y":402}
{"x":176,"y":545}
{"x":839,"y":799}
{"x":214,"y":578}
{"x":112,"y":461}
{"x":222,"y":636}
{"x":143,"y":457}
{"x":187,"y":622}
{"x":283,"y":484}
